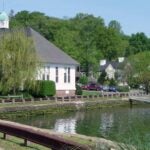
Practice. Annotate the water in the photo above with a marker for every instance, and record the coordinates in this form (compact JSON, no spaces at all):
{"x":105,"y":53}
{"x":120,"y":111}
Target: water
{"x":121,"y":124}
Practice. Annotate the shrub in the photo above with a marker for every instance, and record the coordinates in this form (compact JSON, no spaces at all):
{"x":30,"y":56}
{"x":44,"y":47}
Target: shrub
{"x":123,"y":88}
{"x":102,"y":78}
{"x":83,"y":80}
{"x":112,"y":82}
{"x":78,"y":90}
{"x":44,"y":88}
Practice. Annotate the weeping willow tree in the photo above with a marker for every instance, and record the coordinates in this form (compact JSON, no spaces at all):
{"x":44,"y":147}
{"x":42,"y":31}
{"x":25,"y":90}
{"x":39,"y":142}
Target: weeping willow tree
{"x":18,"y":62}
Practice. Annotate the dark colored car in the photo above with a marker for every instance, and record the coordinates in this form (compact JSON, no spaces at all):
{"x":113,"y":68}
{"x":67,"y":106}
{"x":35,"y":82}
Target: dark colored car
{"x":112,"y":89}
{"x":84,"y":87}
{"x":91,"y":86}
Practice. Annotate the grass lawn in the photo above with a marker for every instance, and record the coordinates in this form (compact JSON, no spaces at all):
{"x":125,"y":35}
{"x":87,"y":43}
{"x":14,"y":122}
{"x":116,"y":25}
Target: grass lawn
{"x":13,"y":143}
{"x":87,"y":93}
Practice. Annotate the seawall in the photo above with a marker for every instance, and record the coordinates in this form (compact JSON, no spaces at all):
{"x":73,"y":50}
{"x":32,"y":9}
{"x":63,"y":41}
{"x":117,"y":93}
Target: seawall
{"x":39,"y":109}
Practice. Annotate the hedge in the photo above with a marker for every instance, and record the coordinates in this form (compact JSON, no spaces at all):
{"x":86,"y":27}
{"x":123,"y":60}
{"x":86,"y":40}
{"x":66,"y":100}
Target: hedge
{"x":45,"y":88}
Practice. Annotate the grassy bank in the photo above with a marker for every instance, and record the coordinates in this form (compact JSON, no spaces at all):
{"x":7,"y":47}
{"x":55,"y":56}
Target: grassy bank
{"x":39,"y":108}
{"x":13,"y":143}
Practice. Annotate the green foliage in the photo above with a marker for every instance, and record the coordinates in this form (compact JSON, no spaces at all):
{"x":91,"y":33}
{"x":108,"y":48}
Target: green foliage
{"x":78,"y":90}
{"x":84,"y":37}
{"x":138,"y":42}
{"x":133,"y":82}
{"x":116,"y":26}
{"x":102,"y":78}
{"x":45,"y":88}
{"x":123,"y":88}
{"x":18,"y":61}
{"x":112,"y":82}
{"x":141,"y":69}
{"x":83,"y":79}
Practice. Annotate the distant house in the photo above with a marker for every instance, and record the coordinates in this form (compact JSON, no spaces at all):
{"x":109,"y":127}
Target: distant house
{"x":111,"y":67}
{"x":57,"y":65}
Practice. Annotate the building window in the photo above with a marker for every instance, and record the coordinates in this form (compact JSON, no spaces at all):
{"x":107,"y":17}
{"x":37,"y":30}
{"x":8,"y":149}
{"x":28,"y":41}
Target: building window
{"x":65,"y":77}
{"x":47,"y":76}
{"x":43,"y":77}
{"x":56,"y":74}
{"x":68,"y":75}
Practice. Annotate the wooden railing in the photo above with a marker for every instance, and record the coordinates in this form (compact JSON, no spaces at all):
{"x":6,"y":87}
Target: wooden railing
{"x":37,"y":136}
{"x":105,"y":95}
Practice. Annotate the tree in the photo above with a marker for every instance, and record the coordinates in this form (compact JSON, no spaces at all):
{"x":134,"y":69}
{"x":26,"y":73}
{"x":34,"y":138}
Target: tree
{"x":141,"y":69}
{"x":102,"y":77}
{"x":115,"y":25}
{"x":138,"y":42}
{"x":110,"y":43}
{"x":18,"y":61}
{"x":87,"y":43}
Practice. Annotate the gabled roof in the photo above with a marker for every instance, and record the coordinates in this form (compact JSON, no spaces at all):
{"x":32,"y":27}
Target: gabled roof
{"x":48,"y":52}
{"x":114,"y":64}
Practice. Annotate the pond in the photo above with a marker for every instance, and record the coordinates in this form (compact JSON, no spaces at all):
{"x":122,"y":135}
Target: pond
{"x":122,"y":124}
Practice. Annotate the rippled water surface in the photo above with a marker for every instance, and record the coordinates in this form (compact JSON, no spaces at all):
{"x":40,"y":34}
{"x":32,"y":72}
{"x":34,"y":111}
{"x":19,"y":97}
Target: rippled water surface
{"x":119,"y":123}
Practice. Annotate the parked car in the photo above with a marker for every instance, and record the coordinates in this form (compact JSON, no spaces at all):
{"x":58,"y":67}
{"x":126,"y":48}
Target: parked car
{"x":91,"y":86}
{"x":105,"y":88}
{"x":84,"y":87}
{"x":112,"y":89}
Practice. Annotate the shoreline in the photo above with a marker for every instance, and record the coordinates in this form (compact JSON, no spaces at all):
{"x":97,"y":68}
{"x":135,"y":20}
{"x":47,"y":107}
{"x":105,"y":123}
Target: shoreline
{"x":23,"y":110}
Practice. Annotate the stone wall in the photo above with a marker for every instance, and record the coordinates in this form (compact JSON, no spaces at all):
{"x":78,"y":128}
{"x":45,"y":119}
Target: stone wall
{"x":65,"y":92}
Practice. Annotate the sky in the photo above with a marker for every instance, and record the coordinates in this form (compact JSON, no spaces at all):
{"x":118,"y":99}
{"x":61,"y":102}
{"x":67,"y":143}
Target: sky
{"x":133,"y":15}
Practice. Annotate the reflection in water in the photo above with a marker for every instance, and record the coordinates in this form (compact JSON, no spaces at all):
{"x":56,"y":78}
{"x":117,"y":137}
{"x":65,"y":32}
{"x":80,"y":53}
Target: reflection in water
{"x":68,"y":125}
{"x":65,"y":125}
{"x":107,"y":120}
{"x":118,"y":124}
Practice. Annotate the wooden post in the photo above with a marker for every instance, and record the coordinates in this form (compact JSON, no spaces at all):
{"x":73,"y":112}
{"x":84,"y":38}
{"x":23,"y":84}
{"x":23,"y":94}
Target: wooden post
{"x":3,"y":101}
{"x":4,"y":136}
{"x":63,"y":99}
{"x":13,"y":101}
{"x":112,"y":95}
{"x":55,"y":99}
{"x":32,"y":100}
{"x":25,"y":142}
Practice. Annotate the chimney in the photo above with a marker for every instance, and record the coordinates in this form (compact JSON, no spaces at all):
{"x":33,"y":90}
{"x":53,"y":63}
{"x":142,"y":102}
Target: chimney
{"x":120,"y":59}
{"x":102,"y":62}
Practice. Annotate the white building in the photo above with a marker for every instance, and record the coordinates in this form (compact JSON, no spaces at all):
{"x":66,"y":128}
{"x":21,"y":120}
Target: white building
{"x":57,"y":65}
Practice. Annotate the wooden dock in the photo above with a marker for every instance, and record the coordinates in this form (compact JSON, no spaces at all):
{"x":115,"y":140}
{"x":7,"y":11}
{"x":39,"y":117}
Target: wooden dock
{"x":145,"y":99}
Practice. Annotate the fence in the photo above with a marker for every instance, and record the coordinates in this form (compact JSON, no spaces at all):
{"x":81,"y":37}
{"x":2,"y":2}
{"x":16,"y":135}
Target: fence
{"x":36,"y":136}
{"x":105,"y":95}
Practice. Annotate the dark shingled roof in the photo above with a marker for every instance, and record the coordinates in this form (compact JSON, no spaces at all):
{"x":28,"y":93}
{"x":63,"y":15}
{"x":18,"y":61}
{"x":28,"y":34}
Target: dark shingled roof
{"x":48,"y":52}
{"x":114,"y":64}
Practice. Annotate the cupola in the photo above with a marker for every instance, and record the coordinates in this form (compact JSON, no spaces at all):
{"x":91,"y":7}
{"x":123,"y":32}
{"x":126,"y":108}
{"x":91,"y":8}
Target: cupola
{"x":4,"y":20}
